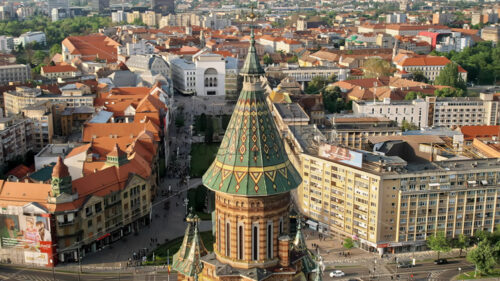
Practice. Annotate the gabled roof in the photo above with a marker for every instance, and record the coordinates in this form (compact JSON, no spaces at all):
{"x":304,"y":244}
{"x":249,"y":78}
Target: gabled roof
{"x":93,"y":130}
{"x":58,"y":68}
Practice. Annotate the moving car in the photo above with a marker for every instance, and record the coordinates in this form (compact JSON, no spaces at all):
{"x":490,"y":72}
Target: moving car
{"x":337,"y":273}
{"x":404,"y":264}
{"x":441,"y":261}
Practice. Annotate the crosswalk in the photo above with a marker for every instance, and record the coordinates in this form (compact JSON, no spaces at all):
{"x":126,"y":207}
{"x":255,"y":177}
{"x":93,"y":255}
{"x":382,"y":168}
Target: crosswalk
{"x":24,"y":277}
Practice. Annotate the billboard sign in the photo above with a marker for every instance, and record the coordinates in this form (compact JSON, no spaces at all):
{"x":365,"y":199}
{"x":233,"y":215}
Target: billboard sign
{"x":30,"y":234}
{"x":341,"y":154}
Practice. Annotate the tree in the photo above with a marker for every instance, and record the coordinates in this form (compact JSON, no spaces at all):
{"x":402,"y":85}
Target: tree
{"x":439,"y":243}
{"x":55,"y":49}
{"x":407,"y":126}
{"x":419,"y":76}
{"x":267,"y":59}
{"x":449,"y":76}
{"x":462,"y":242}
{"x":484,"y":256}
{"x":316,"y":85}
{"x":293,"y":59}
{"x":449,"y":92}
{"x":348,"y":243}
{"x":333,"y":101}
{"x":412,"y":95}
{"x":138,"y":21}
{"x":377,"y":67}
{"x":209,"y":132}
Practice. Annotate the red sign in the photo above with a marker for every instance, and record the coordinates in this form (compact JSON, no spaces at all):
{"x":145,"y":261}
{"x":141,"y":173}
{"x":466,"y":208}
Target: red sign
{"x":104,"y":236}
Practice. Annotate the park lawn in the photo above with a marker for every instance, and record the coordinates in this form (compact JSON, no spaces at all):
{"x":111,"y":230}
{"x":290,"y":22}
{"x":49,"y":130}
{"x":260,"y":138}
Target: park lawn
{"x":171,"y":247}
{"x":470,"y":275}
{"x":197,"y":197}
{"x":202,"y":155}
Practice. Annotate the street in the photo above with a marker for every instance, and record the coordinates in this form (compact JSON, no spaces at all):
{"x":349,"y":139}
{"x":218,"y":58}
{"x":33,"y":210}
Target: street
{"x":17,"y":274}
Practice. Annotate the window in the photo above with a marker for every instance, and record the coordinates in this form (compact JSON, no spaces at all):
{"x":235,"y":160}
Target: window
{"x":98,"y":207}
{"x":89,"y":223}
{"x":255,"y":243}
{"x":218,"y":235}
{"x":281,"y":226}
{"x":269,"y":240}
{"x":240,"y":242}
{"x":228,"y":239}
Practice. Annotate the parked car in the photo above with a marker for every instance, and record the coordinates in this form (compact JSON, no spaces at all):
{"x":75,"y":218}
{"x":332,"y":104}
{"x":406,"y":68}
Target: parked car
{"x":441,"y":261}
{"x":404,"y":264}
{"x":337,"y":273}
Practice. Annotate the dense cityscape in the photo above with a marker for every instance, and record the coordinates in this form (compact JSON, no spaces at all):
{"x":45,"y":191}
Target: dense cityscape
{"x":203,"y":140}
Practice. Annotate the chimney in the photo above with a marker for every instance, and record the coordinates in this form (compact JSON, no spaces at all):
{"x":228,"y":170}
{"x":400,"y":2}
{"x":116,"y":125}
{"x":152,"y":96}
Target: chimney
{"x":284,"y":250}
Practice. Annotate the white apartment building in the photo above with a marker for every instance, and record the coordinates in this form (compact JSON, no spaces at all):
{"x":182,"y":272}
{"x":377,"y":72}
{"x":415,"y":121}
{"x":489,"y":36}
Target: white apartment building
{"x":468,"y":111}
{"x":30,"y":37}
{"x":183,"y":76}
{"x":15,"y":137}
{"x":415,"y":111}
{"x":455,"y":42}
{"x":14,"y":73}
{"x":446,"y":112}
{"x":136,"y":47}
{"x":119,"y":16}
{"x":6,"y":44}
{"x":395,"y":18}
{"x":306,"y":74}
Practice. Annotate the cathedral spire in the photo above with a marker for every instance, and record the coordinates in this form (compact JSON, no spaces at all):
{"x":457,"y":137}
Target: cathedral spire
{"x":187,"y":260}
{"x":252,"y":65}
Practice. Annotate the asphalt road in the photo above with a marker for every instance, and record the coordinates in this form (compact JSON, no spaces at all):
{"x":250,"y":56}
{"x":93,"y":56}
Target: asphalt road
{"x":430,"y":271}
{"x":18,"y":274}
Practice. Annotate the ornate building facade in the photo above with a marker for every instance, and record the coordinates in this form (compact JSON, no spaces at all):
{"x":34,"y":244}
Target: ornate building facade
{"x":252,"y":178}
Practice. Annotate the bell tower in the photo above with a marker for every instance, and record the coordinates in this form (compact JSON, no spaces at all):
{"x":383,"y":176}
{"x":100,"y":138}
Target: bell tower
{"x":61,"y":179}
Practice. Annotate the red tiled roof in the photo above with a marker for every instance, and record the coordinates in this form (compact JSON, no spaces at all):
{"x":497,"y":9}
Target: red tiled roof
{"x":471,"y":132}
{"x":58,"y":68}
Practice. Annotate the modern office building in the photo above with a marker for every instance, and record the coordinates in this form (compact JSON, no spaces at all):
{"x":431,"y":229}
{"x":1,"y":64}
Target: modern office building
{"x":14,"y":73}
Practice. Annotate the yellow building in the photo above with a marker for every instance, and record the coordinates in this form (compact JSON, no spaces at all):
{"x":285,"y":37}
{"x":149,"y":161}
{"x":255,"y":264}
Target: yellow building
{"x":391,"y":205}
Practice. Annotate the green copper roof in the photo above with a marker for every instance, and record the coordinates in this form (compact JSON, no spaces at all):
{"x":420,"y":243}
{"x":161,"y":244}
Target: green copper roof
{"x":252,"y":64}
{"x":187,"y":259}
{"x":251,"y":160}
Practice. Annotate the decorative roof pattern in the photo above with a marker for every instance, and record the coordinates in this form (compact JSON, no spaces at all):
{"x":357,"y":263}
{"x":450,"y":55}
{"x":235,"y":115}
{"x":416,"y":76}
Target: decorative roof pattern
{"x":251,"y":160}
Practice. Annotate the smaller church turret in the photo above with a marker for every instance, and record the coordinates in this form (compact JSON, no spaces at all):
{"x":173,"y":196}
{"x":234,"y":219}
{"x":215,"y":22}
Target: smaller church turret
{"x":61,"y":179}
{"x":116,"y":157}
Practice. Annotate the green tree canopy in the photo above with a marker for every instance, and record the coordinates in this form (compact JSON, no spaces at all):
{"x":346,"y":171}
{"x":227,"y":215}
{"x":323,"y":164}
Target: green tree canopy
{"x":484,"y":256}
{"x":333,"y":101}
{"x":419,"y":76}
{"x":439,"y":243}
{"x":316,"y":85}
{"x":449,"y":76}
{"x":449,"y":92}
{"x":267,"y":59}
{"x":377,"y":67}
{"x":55,"y":49}
{"x":348,"y":243}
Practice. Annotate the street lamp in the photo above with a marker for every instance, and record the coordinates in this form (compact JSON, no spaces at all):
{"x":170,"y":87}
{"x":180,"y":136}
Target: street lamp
{"x":186,"y":201}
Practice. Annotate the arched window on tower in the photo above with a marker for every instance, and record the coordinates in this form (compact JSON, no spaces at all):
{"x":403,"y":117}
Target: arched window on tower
{"x":228,"y":239}
{"x":240,"y":242}
{"x":281,"y":226}
{"x":255,"y":242}
{"x":269,"y":240}
{"x":218,"y":235}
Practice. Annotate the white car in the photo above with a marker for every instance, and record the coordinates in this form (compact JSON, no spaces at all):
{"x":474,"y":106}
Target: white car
{"x":337,"y":273}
